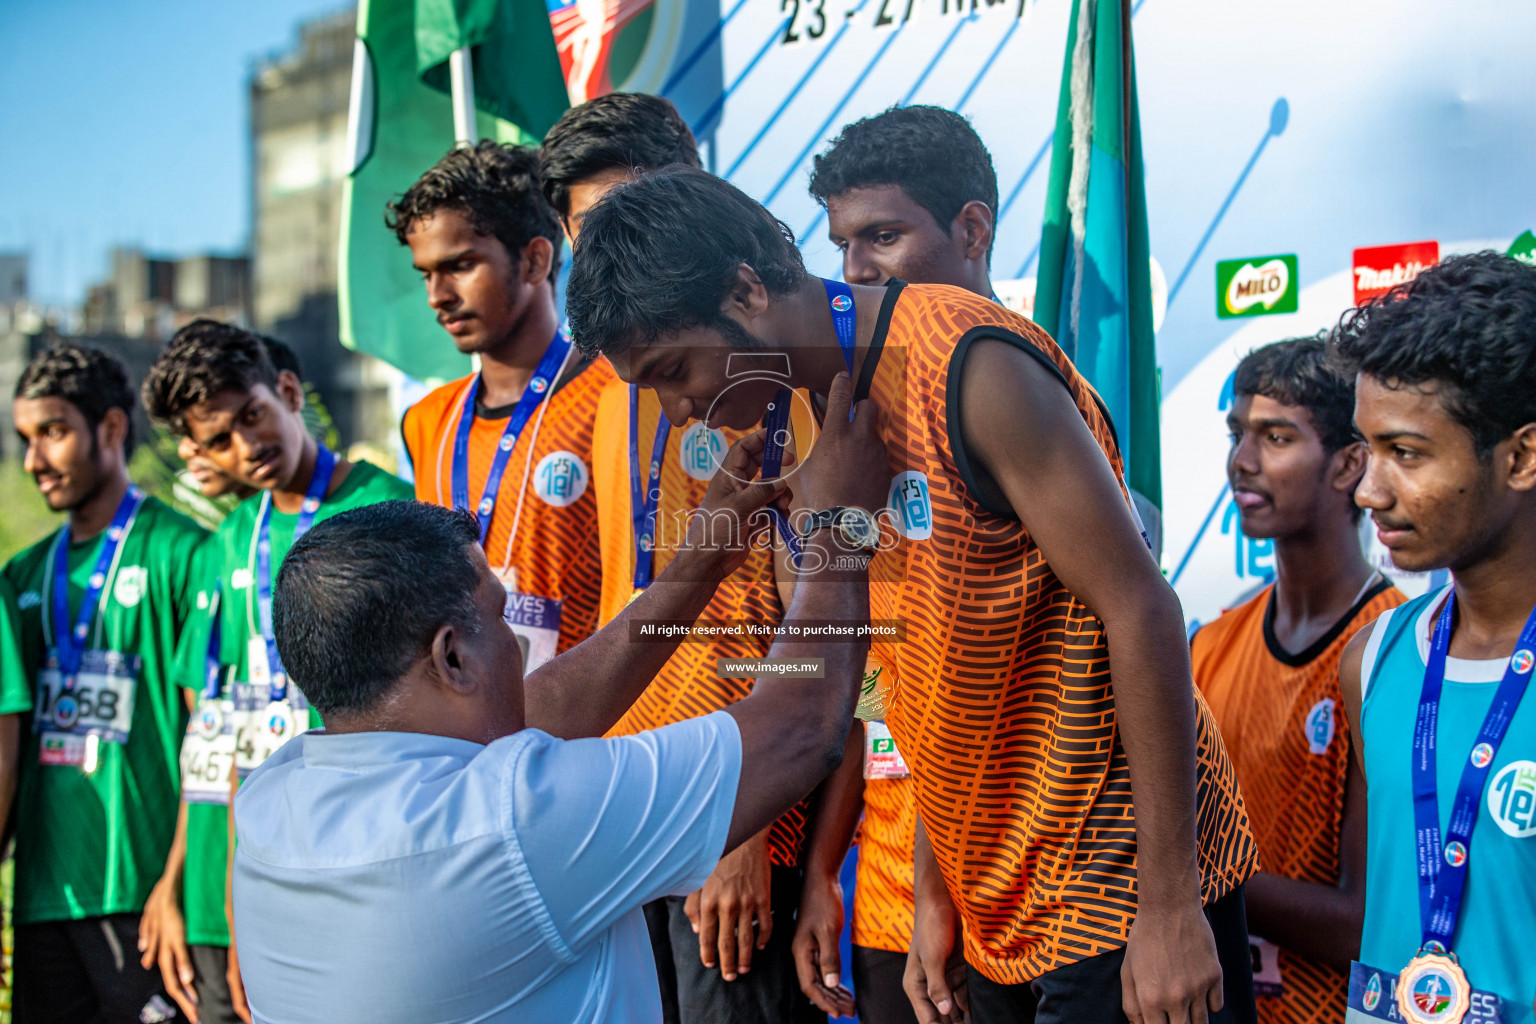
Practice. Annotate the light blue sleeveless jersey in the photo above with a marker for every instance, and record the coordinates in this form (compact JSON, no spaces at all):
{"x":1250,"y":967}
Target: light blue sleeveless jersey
{"x":1496,"y":932}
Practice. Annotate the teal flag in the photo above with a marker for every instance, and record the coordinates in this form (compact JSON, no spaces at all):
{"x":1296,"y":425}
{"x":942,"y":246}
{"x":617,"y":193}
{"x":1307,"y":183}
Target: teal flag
{"x":1094,"y":293}
{"x":402,"y":123}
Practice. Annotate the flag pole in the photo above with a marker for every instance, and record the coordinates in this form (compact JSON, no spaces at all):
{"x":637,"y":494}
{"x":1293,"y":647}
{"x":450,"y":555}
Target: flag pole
{"x":462,"y":80}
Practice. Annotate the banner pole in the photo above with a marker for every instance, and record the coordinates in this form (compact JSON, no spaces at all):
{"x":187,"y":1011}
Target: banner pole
{"x":462,"y":80}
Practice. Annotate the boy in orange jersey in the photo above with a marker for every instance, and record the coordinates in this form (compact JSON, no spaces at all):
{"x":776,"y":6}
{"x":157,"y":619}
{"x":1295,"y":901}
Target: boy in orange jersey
{"x":1270,"y":672}
{"x":723,"y":953}
{"x":895,"y":213}
{"x":1043,"y":676}
{"x":513,"y":442}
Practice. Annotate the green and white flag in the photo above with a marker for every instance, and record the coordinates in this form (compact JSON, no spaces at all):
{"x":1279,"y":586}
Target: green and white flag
{"x":1094,"y":294}
{"x":401,"y":123}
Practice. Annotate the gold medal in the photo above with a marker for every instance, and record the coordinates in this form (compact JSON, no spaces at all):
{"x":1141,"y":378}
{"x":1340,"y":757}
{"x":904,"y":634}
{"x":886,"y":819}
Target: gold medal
{"x":1433,"y":989}
{"x":874,"y":692}
{"x":633,"y":597}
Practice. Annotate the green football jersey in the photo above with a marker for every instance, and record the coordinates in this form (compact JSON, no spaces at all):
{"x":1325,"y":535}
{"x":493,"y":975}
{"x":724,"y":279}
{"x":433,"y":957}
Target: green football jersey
{"x":207,"y":819}
{"x":233,"y":548}
{"x":15,"y":687}
{"x":94,"y":842}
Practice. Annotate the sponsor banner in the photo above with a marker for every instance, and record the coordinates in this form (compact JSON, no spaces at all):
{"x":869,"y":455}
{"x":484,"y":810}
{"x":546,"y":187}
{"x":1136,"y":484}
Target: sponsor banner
{"x":1256,"y":286}
{"x":1380,"y":268}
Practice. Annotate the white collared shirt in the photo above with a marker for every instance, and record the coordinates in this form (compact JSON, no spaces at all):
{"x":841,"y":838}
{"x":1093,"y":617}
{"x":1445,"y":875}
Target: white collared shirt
{"x":400,"y":877}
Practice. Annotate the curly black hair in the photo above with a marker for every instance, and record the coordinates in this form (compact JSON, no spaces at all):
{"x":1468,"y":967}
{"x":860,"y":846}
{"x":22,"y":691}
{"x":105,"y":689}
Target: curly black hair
{"x":87,"y":378}
{"x":496,"y":185}
{"x":621,"y":129}
{"x":931,"y":154}
{"x":201,"y":360}
{"x":1467,"y":327}
{"x":660,"y":253}
{"x":1299,"y":372}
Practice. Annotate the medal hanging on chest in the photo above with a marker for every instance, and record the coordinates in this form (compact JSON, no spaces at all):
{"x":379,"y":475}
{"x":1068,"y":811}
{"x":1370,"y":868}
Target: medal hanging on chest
{"x":1433,"y":988}
{"x":85,"y":694}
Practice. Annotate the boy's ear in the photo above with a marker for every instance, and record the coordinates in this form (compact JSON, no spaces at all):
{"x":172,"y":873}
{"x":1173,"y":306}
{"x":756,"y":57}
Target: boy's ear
{"x":747,"y":297}
{"x":113,"y":428}
{"x":1522,"y":469}
{"x":291,"y":390}
{"x":1348,"y":467}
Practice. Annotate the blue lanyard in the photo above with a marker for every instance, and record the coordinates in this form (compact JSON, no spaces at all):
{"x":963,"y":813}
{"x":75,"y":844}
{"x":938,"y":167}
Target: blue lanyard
{"x":845,"y":321}
{"x":534,"y":394}
{"x":212,"y":662}
{"x":777,"y":423}
{"x":319,"y":483}
{"x":71,"y":643}
{"x":1443,"y":869}
{"x":645,"y":494}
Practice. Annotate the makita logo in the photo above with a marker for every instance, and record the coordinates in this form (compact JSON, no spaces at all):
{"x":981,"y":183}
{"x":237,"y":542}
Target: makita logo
{"x":1369,"y":278}
{"x":1381,"y":268}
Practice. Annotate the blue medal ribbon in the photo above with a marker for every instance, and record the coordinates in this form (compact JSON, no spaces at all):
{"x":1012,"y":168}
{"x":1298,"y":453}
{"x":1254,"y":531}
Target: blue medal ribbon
{"x":70,"y":642}
{"x":845,"y":321}
{"x":319,"y":483}
{"x":212,"y":667}
{"x":539,"y":386}
{"x":645,"y":489}
{"x":1443,"y":868}
{"x":777,"y":423}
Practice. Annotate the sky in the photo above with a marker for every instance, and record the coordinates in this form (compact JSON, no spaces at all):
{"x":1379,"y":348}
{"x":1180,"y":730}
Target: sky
{"x":125,"y":122}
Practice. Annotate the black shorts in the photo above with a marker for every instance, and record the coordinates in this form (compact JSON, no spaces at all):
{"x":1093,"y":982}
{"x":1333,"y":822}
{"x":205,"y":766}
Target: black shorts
{"x":877,"y":990}
{"x":767,"y":994}
{"x":86,"y":972}
{"x":211,"y":983}
{"x":1089,"y":990}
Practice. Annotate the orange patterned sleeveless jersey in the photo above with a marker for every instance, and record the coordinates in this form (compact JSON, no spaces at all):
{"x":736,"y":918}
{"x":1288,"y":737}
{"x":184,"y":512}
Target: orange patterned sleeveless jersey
{"x":882,"y":894}
{"x":1003,"y":705}
{"x":689,"y":685}
{"x":545,"y":491}
{"x":1281,"y":718}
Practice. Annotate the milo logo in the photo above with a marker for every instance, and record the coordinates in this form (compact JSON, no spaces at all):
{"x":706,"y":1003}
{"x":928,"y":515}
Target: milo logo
{"x":1254,"y":287}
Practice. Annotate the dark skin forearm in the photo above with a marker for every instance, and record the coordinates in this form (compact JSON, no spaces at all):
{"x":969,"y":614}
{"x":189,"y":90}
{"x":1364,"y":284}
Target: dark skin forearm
{"x":584,"y":691}
{"x":10,"y":764}
{"x":839,"y":802}
{"x":927,"y":882}
{"x":793,"y":730}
